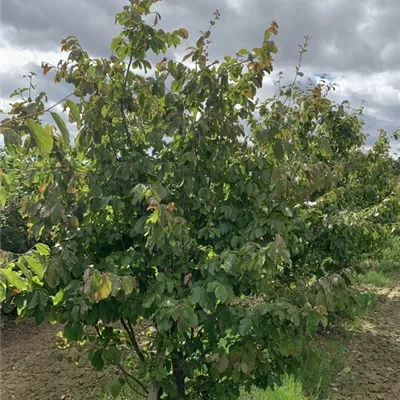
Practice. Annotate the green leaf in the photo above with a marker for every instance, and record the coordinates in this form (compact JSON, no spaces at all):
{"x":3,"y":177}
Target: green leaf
{"x":245,"y":326}
{"x":183,"y":33}
{"x":222,"y":364}
{"x":63,"y":129}
{"x":39,"y":316}
{"x":112,"y":355}
{"x":204,"y":193}
{"x":250,"y":189}
{"x":193,"y":320}
{"x":73,"y":331}
{"x":35,"y":265}
{"x":128,"y":284}
{"x":195,"y":295}
{"x":105,"y":288}
{"x":10,"y":136}
{"x":97,"y":360}
{"x":115,"y":43}
{"x":3,"y":198}
{"x":221,"y":293}
{"x":287,"y":348}
{"x":278,"y":150}
{"x":116,"y":388}
{"x":2,"y":292}
{"x":74,"y":111}
{"x":42,"y":249}
{"x":265,"y":176}
{"x":43,"y":139}
{"x":32,"y":299}
{"x":14,"y":279}
{"x":58,"y":298}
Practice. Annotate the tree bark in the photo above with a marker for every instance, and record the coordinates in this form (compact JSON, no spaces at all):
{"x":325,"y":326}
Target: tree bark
{"x":154,"y":385}
{"x":153,"y":390}
{"x":177,"y":367}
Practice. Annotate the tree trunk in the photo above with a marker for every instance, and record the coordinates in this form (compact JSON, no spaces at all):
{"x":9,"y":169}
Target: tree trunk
{"x":153,"y":390}
{"x":154,"y":385}
{"x":177,"y":367}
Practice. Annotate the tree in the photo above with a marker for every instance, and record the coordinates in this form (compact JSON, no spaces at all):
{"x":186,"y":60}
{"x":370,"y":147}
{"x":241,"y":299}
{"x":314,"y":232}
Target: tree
{"x":180,"y":204}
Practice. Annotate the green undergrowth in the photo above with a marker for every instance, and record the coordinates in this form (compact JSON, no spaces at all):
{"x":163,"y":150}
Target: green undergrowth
{"x":388,"y":265}
{"x":375,"y":278}
{"x":318,"y":372}
{"x":291,"y":389}
{"x":389,"y":261}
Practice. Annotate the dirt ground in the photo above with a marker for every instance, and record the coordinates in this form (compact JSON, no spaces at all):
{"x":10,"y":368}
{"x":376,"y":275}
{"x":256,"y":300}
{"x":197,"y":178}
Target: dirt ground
{"x":373,"y":370}
{"x":29,"y":369}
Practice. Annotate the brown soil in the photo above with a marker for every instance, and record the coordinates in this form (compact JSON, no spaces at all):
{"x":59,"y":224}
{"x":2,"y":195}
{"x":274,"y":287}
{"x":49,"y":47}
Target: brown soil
{"x":373,"y":370}
{"x":29,"y":369}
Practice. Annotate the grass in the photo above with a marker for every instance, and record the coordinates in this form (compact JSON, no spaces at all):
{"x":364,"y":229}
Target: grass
{"x":376,"y":278}
{"x":317,"y":374}
{"x":126,"y":394}
{"x":291,"y":389}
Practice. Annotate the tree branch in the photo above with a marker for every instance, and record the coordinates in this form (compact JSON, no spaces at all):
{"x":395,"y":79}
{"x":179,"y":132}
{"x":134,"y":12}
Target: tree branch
{"x":128,"y":375}
{"x":125,"y":123}
{"x":132,"y":338}
{"x":8,"y":122}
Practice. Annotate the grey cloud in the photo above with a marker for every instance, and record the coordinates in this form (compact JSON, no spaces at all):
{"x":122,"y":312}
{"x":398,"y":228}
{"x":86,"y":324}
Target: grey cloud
{"x":347,"y":35}
{"x":42,"y":24}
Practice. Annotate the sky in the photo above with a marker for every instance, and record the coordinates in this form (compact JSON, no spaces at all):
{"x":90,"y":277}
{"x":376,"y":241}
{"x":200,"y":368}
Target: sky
{"x":355,"y":42}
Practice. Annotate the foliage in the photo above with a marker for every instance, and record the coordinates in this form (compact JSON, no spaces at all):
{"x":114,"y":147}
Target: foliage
{"x":182,"y":212}
{"x":14,"y":232}
{"x":389,"y":257}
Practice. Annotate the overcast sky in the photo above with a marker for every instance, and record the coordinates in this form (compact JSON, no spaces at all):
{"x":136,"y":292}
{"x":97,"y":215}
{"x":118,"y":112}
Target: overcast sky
{"x":355,"y":42}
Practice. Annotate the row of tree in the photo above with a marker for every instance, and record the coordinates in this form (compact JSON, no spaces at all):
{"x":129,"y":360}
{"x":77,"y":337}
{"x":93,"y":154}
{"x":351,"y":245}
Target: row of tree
{"x":204,"y":234}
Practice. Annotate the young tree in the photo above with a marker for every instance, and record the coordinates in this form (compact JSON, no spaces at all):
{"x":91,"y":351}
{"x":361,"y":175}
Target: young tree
{"x":174,"y":209}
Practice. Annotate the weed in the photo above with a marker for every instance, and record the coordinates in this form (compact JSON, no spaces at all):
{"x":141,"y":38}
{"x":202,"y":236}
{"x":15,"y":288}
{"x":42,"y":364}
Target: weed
{"x":317,"y":375}
{"x":291,"y":389}
{"x":376,"y":278}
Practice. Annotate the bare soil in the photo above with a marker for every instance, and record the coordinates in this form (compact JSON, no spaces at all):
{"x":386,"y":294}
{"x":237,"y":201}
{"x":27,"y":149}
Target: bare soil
{"x":30,"y":369}
{"x":373,"y":370}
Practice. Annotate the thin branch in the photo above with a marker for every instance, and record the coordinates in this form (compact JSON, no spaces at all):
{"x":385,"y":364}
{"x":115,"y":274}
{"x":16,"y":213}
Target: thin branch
{"x":128,"y":375}
{"x":132,"y":338}
{"x":6,"y":123}
{"x":128,"y":134}
{"x":98,"y":331}
{"x":303,"y":49}
{"x":127,"y":69}
{"x":19,"y":255}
